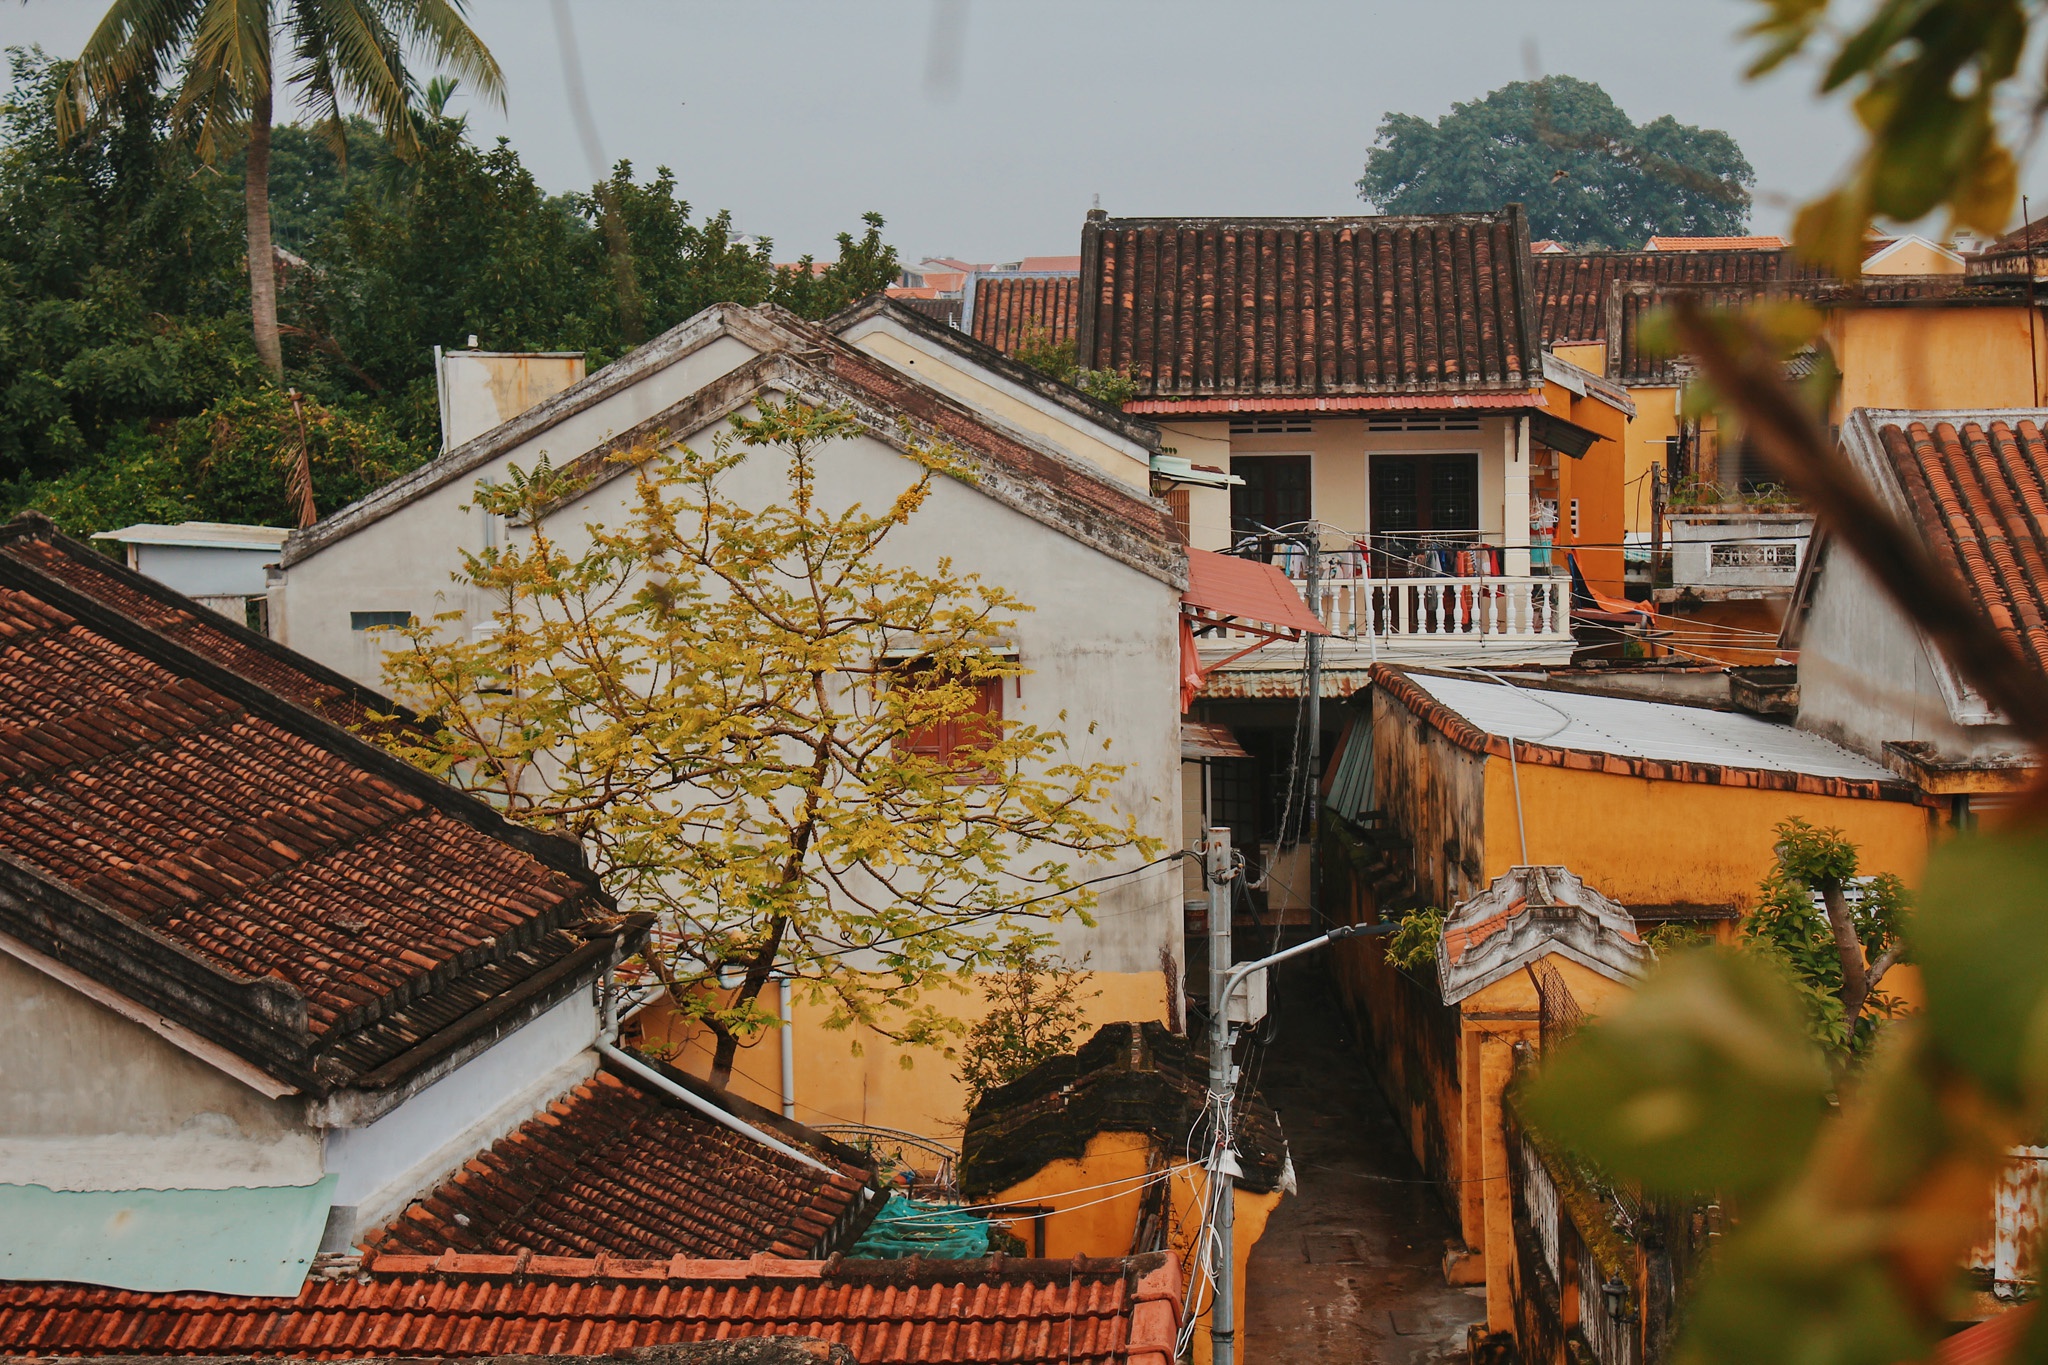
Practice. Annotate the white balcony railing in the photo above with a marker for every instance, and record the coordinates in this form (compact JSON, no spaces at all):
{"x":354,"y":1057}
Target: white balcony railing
{"x":1442,"y":610}
{"x":1446,"y":608}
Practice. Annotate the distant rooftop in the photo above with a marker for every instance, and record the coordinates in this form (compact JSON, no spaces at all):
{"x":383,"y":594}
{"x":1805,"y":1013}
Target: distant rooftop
{"x":1660,"y":732}
{"x":200,"y":535}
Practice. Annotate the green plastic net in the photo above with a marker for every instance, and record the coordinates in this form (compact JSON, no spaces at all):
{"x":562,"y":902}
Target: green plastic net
{"x":920,"y":1227}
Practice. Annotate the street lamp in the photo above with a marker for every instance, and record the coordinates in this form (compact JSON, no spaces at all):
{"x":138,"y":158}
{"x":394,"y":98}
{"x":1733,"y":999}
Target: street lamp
{"x":1223,"y":1167}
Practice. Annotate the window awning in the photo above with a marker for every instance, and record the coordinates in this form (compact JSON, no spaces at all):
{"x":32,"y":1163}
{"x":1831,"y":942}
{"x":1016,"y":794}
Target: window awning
{"x":1204,"y":739}
{"x":1245,"y":593}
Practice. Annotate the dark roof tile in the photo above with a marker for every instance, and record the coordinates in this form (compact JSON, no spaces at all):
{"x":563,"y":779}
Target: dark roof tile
{"x":1010,"y":310}
{"x":1205,"y":307}
{"x":613,"y":1168}
{"x":176,"y":830}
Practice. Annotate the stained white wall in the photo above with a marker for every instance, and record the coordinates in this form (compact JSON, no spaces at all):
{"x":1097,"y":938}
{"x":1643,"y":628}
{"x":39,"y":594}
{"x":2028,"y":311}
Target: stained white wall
{"x":384,"y":1164}
{"x":92,"y":1101}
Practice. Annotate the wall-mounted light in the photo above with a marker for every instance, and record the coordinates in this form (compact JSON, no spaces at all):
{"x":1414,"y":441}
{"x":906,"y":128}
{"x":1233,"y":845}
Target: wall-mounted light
{"x":1615,"y":1294}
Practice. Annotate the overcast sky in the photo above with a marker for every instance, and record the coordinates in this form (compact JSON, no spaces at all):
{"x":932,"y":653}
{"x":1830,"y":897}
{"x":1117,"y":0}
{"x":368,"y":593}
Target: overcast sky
{"x":798,"y":115}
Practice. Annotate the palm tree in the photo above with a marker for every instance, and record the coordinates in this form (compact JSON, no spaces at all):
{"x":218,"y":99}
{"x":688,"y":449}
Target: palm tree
{"x":344,"y":54}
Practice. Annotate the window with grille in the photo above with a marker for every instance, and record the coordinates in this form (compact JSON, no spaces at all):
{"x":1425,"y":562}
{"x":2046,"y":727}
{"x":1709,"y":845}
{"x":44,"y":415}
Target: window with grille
{"x":372,"y":620}
{"x":1270,"y":426}
{"x":1401,"y":421}
{"x":1575,"y":518}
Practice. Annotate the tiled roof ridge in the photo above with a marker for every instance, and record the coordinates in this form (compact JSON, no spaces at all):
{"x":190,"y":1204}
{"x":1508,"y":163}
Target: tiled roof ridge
{"x":1132,"y":428}
{"x":562,"y":854}
{"x":33,"y":526}
{"x":908,"y":1271}
{"x":1461,"y":732}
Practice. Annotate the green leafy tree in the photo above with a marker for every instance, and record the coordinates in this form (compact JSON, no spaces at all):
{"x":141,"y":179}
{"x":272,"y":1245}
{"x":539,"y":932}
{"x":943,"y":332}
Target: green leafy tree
{"x":1034,"y":1012}
{"x":118,"y":260}
{"x":1564,"y":150}
{"x":1838,"y":954}
{"x":222,"y":54}
{"x":721,"y":701}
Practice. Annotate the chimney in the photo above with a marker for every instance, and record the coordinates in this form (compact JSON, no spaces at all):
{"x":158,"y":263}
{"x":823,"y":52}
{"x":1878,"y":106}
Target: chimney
{"x":483,"y":389}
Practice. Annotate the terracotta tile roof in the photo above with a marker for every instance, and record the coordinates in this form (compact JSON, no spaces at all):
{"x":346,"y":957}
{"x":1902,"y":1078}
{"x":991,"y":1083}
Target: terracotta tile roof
{"x":182,"y":835}
{"x":1010,"y":309}
{"x":1453,"y":726}
{"x":1978,"y":491}
{"x":1718,"y":244}
{"x":613,"y":1168}
{"x":32,"y":539}
{"x":1079,"y":1312}
{"x":1572,"y":291}
{"x":1207,"y":307}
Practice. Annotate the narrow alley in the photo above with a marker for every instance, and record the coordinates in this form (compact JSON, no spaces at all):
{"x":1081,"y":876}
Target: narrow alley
{"x":1351,"y":1269}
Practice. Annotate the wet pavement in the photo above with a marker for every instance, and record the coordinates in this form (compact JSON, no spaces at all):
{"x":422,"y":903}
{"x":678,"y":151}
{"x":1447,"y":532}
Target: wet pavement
{"x":1351,"y":1268}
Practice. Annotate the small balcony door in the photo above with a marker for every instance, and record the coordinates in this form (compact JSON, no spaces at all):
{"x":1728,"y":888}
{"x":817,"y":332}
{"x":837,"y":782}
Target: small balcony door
{"x":1274,"y":493}
{"x":1422,"y":505}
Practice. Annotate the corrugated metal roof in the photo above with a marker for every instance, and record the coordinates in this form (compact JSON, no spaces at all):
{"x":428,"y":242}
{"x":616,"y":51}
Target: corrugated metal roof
{"x":1646,"y":729}
{"x":200,"y":535}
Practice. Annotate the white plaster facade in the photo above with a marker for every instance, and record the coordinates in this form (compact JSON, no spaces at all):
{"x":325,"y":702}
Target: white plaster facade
{"x":1100,"y":644}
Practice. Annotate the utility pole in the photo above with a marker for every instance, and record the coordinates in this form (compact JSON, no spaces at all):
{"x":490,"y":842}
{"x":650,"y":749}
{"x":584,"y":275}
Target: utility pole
{"x":1314,"y":682}
{"x":1222,"y":1163}
{"x":1218,"y":871}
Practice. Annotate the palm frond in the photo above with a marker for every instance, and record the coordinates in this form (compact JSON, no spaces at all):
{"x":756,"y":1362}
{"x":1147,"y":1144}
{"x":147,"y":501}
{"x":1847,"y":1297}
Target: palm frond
{"x":441,"y":28}
{"x":137,"y":41}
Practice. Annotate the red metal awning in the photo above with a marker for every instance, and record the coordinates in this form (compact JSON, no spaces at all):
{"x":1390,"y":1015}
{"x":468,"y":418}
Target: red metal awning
{"x":1246,"y":593}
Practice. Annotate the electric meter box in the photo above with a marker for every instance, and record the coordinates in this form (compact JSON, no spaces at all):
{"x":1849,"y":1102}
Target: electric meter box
{"x":1247,"y":1004}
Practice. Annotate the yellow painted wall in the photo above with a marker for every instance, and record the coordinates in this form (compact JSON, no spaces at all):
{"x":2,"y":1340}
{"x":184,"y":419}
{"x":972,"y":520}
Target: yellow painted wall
{"x":1100,"y":1195}
{"x":858,"y":1075}
{"x":1934,"y":357}
{"x":1915,"y":256}
{"x":1070,"y":436}
{"x":1643,"y":842}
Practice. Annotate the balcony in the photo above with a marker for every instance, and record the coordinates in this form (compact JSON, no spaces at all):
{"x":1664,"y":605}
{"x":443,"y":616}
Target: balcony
{"x":1409,"y":616}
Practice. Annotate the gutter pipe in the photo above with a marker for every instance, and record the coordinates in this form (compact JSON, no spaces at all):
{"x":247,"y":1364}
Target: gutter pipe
{"x":606,"y":1049}
{"x":788,"y":1050}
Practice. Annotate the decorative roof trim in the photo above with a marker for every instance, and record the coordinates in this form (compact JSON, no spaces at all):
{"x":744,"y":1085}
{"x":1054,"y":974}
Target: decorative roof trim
{"x":1520,"y":400}
{"x":1528,"y":913}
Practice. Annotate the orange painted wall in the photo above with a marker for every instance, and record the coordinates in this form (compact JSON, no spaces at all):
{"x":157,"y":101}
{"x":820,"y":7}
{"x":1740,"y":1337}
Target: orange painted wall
{"x":1936,"y":358}
{"x":1597,"y":480}
{"x":860,"y":1075}
{"x":1676,"y":843}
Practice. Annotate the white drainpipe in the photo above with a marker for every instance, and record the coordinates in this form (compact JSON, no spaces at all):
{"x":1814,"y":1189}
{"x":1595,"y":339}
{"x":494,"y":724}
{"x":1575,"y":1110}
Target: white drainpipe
{"x":605,"y":1048}
{"x":788,"y":1051}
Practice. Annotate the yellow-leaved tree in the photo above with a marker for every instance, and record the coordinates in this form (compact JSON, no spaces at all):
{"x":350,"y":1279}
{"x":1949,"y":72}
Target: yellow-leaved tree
{"x":766,"y":731}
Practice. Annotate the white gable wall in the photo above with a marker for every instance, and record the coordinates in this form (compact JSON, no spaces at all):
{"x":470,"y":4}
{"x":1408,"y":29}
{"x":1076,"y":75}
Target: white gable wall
{"x":406,"y":560}
{"x":1003,"y":402}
